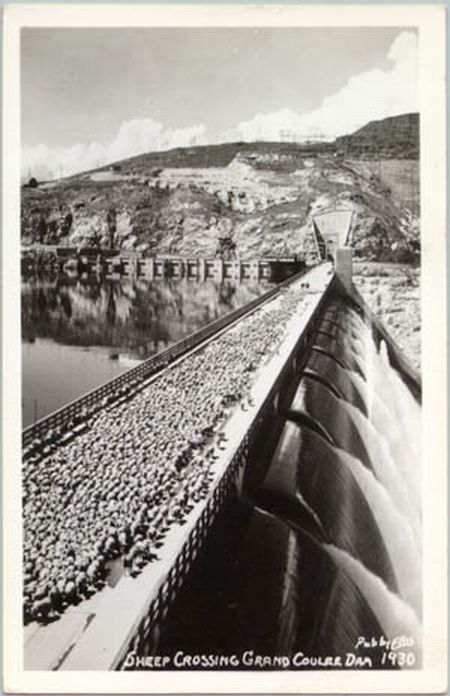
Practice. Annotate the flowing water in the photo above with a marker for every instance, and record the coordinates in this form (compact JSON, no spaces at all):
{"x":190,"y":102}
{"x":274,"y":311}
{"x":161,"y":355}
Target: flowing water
{"x":329,"y":549}
{"x":394,"y":615}
{"x":394,"y":528}
{"x":385,"y":468}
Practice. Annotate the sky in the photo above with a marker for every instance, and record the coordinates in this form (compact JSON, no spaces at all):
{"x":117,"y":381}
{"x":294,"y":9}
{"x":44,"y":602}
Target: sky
{"x":94,"y":96}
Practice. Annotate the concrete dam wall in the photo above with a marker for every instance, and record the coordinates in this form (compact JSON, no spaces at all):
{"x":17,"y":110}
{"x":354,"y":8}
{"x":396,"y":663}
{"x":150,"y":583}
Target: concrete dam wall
{"x":322,"y":543}
{"x":309,"y":536}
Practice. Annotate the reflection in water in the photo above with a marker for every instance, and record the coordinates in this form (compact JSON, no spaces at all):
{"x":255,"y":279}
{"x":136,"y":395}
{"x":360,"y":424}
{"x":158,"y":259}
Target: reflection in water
{"x":53,"y":375}
{"x":79,"y":332}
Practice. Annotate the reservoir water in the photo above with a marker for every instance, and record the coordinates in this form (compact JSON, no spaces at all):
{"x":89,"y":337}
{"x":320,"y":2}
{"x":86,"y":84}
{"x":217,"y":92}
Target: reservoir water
{"x":319,"y":543}
{"x":77,"y":333}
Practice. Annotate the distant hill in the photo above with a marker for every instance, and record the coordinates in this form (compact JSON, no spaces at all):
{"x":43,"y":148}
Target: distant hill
{"x":251,"y":199}
{"x":395,"y":137}
{"x":205,"y":156}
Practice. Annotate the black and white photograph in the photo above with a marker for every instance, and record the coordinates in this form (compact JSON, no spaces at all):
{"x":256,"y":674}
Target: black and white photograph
{"x":224,"y":389}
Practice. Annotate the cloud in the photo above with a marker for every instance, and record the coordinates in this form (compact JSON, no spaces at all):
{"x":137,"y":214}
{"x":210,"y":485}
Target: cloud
{"x":133,"y":138}
{"x":374,"y":94}
{"x":368,"y":96}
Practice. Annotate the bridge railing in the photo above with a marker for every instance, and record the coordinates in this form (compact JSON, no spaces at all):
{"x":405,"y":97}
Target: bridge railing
{"x":144,"y":636}
{"x":51,"y":426}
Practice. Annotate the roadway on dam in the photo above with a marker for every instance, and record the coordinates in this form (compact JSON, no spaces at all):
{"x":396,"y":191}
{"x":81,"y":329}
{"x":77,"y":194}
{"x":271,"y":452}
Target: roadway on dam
{"x":82,"y":637}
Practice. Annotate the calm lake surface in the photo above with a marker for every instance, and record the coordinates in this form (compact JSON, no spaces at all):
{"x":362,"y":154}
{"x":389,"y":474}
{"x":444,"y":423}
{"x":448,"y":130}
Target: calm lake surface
{"x":78,"y":333}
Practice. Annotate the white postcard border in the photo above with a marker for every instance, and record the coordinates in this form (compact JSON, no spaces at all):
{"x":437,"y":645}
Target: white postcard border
{"x":430,"y":19}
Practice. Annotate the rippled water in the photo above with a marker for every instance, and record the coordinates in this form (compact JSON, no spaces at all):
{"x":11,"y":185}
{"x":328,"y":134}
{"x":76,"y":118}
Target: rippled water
{"x":79,"y":332}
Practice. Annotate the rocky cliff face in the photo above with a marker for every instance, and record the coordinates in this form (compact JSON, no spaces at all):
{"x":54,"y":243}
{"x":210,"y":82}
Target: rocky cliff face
{"x":259,"y":203}
{"x":392,"y":292}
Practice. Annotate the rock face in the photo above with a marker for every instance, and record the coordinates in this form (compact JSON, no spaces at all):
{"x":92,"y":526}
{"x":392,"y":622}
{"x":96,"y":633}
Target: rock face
{"x":393,"y":294}
{"x":258,"y":203}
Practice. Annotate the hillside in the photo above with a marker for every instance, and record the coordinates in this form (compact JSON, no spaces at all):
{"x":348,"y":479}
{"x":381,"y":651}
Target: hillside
{"x":397,"y":137}
{"x":251,"y":199}
{"x":205,"y":156}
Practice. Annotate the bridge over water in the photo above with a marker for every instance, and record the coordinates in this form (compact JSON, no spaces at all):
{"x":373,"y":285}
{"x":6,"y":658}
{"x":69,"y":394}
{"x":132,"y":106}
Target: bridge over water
{"x":134,"y":264}
{"x":315,"y":467}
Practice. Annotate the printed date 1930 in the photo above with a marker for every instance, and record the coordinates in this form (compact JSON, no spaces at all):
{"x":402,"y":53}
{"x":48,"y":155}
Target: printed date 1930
{"x":397,"y":652}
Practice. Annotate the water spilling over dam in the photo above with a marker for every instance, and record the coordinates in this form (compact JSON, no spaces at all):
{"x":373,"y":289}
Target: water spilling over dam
{"x":295,"y":523}
{"x":329,"y":545}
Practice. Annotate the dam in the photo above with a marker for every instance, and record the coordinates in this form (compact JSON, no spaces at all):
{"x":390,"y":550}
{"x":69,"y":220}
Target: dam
{"x":289,"y":433}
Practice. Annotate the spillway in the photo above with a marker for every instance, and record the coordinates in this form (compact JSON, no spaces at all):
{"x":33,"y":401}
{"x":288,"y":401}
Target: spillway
{"x":309,"y":533}
{"x":331,"y":547}
{"x":350,"y":448}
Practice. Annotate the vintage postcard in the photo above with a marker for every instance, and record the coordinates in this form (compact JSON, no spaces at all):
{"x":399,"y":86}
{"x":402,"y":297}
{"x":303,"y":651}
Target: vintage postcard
{"x":224,"y":357}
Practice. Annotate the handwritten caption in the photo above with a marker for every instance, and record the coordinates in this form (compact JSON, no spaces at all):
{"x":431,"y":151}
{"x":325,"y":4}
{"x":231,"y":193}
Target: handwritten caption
{"x":372,"y":652}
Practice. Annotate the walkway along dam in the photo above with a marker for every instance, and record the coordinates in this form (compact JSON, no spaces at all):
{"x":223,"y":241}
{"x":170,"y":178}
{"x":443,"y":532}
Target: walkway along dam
{"x":254,"y":489}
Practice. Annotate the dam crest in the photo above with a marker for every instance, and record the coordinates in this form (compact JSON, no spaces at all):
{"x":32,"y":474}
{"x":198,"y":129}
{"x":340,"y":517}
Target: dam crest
{"x":302,"y":497}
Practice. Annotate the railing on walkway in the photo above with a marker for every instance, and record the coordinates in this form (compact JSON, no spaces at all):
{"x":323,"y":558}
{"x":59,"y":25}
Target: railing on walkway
{"x":52,"y":426}
{"x":145,"y":636}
